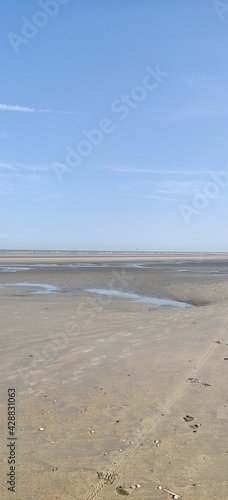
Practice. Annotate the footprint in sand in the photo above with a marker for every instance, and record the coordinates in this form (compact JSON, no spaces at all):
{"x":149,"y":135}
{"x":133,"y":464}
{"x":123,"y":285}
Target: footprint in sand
{"x":222,"y":411}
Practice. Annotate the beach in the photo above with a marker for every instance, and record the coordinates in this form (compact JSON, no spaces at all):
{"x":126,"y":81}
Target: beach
{"x":114,"y":395}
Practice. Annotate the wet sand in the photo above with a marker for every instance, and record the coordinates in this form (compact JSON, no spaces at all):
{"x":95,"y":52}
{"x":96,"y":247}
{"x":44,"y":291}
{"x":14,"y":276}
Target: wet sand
{"x":110,"y":380}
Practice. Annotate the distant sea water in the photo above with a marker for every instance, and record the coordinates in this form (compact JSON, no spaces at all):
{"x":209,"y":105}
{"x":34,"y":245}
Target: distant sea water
{"x":115,"y":253}
{"x":105,"y":252}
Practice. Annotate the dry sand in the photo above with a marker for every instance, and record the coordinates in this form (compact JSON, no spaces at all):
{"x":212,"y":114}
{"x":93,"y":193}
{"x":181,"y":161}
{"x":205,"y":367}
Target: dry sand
{"x":110,"y":381}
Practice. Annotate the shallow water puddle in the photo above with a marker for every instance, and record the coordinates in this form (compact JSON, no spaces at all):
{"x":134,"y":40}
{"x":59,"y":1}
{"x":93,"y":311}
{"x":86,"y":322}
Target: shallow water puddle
{"x":140,"y":298}
{"x":29,"y":287}
{"x":12,"y":269}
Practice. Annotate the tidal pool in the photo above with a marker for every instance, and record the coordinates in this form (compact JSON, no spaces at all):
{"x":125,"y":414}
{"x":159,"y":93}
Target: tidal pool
{"x":140,"y":298}
{"x":13,"y":269}
{"x":29,"y":287}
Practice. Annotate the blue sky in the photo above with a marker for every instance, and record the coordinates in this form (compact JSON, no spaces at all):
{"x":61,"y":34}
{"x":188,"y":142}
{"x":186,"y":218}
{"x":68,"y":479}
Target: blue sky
{"x":150,"y":79}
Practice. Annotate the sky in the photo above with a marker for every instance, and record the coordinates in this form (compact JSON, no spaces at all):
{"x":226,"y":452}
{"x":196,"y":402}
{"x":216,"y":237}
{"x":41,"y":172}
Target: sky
{"x":113,"y":125}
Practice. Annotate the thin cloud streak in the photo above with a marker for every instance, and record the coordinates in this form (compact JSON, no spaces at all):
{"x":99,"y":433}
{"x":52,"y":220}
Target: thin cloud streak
{"x":20,"y":182}
{"x":22,"y":109}
{"x":27,"y":109}
{"x":153,"y":197}
{"x":156,"y":171}
{"x":179,"y":187}
{"x":21,"y":166}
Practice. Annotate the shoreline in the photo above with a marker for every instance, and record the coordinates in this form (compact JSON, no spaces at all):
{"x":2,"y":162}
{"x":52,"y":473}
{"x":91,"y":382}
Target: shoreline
{"x":71,"y":257}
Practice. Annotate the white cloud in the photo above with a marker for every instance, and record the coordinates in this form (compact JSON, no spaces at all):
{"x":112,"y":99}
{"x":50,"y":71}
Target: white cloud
{"x":4,"y":135}
{"x":22,"y":109}
{"x":27,"y":109}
